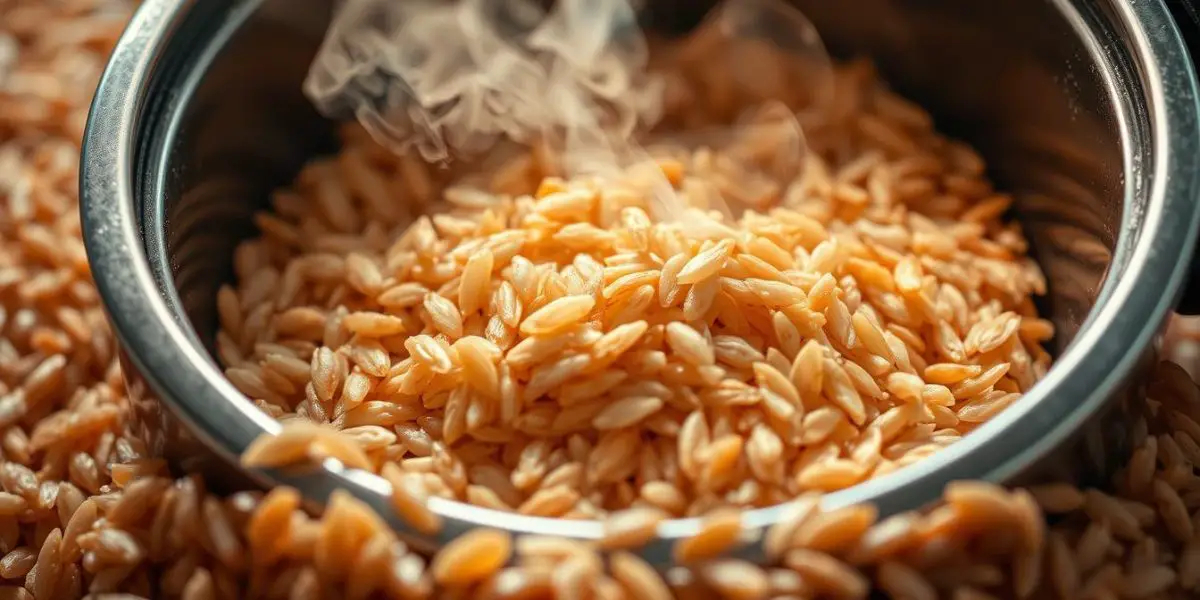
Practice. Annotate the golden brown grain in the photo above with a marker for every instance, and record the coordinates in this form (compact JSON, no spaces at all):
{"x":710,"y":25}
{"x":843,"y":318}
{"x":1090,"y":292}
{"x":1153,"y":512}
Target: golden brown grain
{"x":631,"y":527}
{"x":901,"y":581}
{"x":410,"y":500}
{"x":827,"y":574}
{"x":836,"y":530}
{"x":472,"y":557}
{"x":719,"y":533}
{"x":174,"y":537}
{"x":638,"y":579}
{"x":736,"y":580}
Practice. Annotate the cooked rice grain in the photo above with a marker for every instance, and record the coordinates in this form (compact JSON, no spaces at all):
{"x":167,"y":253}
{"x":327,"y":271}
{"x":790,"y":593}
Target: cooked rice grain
{"x":472,"y":557}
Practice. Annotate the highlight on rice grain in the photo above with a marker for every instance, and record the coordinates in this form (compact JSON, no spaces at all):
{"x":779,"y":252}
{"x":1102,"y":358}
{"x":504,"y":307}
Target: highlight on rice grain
{"x":85,"y":511}
{"x":717,"y":314}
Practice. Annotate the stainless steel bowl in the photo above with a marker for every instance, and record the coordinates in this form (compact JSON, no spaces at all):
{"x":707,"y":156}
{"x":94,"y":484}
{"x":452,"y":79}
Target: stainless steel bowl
{"x":1086,"y":110}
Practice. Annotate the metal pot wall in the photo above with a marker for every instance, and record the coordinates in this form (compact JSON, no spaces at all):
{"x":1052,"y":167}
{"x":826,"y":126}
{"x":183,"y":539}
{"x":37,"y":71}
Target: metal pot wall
{"x":1086,"y":110}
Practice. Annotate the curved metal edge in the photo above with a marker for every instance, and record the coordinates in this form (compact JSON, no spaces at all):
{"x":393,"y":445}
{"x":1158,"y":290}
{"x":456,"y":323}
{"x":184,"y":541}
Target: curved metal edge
{"x":1187,"y":18}
{"x":218,"y":414}
{"x":114,"y":248}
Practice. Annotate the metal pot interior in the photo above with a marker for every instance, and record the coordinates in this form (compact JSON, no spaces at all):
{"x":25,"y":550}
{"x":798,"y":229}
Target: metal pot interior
{"x":1027,"y":82}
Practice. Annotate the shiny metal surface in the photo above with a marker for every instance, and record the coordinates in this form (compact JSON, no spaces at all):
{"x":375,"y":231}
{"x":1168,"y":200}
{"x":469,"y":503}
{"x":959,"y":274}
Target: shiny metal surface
{"x":1086,"y":110}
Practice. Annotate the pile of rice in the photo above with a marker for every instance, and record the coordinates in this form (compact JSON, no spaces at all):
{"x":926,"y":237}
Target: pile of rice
{"x":83,"y":510}
{"x":538,"y":344}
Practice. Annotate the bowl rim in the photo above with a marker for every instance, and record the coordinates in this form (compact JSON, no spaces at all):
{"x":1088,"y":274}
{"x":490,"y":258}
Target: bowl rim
{"x":162,"y":348}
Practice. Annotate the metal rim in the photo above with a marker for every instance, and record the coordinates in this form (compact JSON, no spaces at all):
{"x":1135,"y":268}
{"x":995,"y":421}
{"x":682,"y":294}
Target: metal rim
{"x":163,"y":349}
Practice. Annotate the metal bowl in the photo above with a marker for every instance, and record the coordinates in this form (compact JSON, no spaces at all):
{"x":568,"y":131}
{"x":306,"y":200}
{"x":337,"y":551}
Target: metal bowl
{"x":1087,"y":111}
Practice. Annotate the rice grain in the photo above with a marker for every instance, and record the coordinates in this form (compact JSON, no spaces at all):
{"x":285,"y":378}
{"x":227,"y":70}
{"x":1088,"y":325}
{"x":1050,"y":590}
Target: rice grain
{"x":471,"y":557}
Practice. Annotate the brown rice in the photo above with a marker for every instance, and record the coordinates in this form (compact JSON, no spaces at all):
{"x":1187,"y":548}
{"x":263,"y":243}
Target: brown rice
{"x":98,"y":517}
{"x":553,"y":332}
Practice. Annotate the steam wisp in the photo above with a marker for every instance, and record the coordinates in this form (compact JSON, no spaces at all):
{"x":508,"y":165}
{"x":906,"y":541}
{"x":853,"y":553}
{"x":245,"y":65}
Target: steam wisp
{"x":453,"y":79}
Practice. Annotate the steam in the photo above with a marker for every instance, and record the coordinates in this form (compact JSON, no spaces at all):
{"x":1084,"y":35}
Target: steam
{"x":459,"y":76}
{"x":455,"y":78}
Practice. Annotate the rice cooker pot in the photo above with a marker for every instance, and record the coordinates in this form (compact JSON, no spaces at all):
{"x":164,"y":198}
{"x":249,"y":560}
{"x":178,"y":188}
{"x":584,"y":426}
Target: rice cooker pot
{"x":1086,"y":110}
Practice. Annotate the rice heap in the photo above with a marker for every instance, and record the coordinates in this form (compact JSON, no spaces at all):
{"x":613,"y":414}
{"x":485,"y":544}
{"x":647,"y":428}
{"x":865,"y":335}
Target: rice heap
{"x":533,"y":343}
{"x":83,"y":510}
